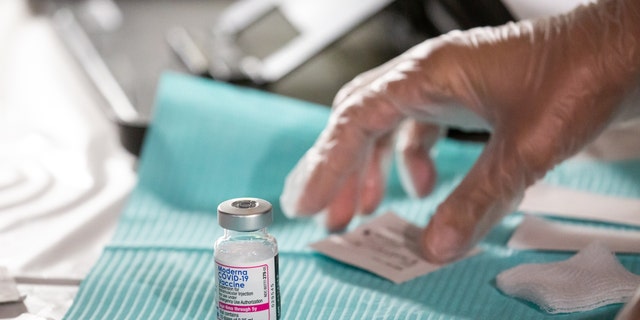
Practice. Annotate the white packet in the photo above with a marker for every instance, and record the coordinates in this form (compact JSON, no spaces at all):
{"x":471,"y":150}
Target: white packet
{"x":386,"y":246}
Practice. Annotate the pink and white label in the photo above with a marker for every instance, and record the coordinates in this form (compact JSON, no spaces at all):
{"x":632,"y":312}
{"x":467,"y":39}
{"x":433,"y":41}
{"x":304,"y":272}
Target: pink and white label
{"x":233,"y":308}
{"x":247,"y":292}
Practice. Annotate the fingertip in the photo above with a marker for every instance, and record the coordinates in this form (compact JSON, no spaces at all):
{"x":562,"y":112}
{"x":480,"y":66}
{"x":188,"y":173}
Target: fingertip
{"x":336,"y":220}
{"x":339,"y":213}
{"x":415,"y":167}
{"x":419,"y":176}
{"x":344,"y":206}
{"x":426,"y":178}
{"x":290,"y":196}
{"x":336,"y":226}
{"x":373,"y":189}
{"x":370,"y":202}
{"x":288,"y":208}
{"x":441,"y":246}
{"x":309,"y":187}
{"x":443,"y":242}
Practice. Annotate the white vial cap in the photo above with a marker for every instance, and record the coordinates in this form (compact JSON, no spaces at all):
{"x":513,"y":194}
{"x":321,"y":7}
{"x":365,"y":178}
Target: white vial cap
{"x":245,"y":214}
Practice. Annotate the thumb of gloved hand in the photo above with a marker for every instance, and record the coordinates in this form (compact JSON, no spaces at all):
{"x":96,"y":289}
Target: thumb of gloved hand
{"x":546,"y":88}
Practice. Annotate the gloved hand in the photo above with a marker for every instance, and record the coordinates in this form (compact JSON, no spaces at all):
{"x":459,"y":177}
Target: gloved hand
{"x":545,"y":88}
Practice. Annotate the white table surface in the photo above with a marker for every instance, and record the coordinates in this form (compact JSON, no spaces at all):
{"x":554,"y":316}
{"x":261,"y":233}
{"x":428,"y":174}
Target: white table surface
{"x":64,"y":177}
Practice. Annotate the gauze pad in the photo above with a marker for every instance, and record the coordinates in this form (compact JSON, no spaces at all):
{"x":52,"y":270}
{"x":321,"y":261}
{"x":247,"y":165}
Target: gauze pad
{"x":590,"y":279}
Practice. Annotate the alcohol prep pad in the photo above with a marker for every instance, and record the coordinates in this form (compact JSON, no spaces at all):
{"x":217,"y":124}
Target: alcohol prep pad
{"x":387,"y":246}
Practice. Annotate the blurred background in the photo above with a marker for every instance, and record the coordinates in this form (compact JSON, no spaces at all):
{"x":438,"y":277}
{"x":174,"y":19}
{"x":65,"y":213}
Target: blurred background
{"x":300,"y":48}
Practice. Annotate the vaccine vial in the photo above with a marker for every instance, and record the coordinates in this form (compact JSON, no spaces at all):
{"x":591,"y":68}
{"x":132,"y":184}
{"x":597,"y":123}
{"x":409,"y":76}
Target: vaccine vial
{"x":246,"y":258}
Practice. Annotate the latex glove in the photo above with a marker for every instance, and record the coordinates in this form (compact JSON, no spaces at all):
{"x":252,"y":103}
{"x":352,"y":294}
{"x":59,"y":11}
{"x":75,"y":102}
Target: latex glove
{"x":545,"y":88}
{"x":631,"y":309}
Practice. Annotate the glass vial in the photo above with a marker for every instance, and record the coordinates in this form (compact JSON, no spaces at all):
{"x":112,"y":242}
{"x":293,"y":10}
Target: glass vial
{"x":246,"y":259}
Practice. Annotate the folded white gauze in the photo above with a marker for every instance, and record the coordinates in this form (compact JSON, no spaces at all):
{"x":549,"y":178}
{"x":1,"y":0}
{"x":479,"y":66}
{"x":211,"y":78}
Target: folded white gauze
{"x":590,"y":279}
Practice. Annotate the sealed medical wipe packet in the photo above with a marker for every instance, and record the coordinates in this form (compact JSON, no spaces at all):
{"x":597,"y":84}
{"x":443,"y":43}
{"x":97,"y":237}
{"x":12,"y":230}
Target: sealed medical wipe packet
{"x":386,"y":246}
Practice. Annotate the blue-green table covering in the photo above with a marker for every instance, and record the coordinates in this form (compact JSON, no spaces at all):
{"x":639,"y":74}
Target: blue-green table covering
{"x":212,"y":141}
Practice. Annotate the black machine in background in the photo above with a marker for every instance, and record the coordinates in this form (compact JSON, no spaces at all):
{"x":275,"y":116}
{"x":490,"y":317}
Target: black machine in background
{"x":305,"y":49}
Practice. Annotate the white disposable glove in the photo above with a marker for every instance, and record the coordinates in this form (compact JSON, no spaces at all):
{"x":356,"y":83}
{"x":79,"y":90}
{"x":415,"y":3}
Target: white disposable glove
{"x":545,"y":88}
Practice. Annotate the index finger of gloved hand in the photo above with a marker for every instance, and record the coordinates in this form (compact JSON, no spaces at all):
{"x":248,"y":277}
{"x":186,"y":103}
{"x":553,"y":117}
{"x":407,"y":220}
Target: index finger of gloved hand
{"x":342,"y":149}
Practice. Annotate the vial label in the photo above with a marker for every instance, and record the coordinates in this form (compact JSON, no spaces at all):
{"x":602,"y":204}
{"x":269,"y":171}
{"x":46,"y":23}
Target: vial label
{"x":248,"y":292}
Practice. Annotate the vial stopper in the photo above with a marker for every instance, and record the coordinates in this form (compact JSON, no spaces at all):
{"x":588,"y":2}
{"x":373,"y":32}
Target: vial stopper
{"x":245,"y":214}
